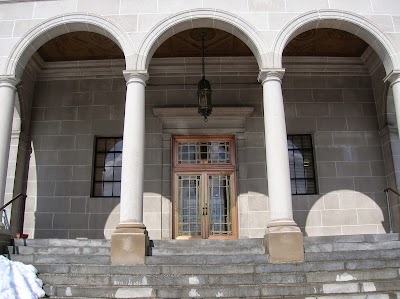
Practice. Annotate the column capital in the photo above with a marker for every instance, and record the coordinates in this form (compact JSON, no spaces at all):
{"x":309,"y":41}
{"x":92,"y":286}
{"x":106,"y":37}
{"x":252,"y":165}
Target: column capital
{"x":270,"y":75}
{"x":393,"y":77}
{"x":388,"y":129}
{"x":136,"y":76}
{"x":9,"y":81}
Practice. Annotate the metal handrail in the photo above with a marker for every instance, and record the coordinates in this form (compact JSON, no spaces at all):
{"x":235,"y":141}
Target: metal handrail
{"x":3,"y":210}
{"x":389,"y":206}
{"x":5,"y":220}
{"x":392,"y":190}
{"x":11,"y":201}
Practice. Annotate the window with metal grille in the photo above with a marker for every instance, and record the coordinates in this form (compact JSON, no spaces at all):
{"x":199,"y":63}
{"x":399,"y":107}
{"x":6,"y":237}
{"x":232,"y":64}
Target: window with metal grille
{"x":301,"y":163}
{"x":107,"y":167}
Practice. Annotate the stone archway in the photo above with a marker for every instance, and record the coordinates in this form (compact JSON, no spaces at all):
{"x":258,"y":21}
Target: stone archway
{"x":341,"y":20}
{"x":200,"y":18}
{"x":62,"y":24}
{"x":382,"y":45}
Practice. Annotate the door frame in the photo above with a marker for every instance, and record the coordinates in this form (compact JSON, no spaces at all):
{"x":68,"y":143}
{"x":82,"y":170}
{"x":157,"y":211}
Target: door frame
{"x":210,"y":169}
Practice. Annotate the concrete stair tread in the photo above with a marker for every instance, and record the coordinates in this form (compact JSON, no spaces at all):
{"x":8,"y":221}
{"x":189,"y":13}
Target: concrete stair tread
{"x":63,"y":242}
{"x":204,"y":259}
{"x":371,"y":238}
{"x":353,"y":255}
{"x":208,"y":242}
{"x":348,"y":246}
{"x":156,"y":280}
{"x":59,"y":250}
{"x":60,"y":259}
{"x":80,"y":269}
{"x":209,"y":250}
{"x":238,"y":290}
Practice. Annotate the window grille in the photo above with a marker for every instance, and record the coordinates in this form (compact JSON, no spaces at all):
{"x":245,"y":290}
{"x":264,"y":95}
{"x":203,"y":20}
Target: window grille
{"x":107,"y":167}
{"x":301,"y":164}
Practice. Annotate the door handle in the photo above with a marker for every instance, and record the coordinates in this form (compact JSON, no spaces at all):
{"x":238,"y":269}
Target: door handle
{"x":205,"y":210}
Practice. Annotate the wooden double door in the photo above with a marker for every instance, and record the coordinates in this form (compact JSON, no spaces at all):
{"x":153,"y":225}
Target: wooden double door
{"x":204,"y":188}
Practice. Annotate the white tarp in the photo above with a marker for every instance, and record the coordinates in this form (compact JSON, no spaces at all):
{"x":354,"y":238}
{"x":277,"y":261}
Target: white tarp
{"x":19,"y":281}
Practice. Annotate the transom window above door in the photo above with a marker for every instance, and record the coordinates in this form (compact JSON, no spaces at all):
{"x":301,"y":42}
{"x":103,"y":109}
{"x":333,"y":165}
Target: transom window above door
{"x":207,"y":150}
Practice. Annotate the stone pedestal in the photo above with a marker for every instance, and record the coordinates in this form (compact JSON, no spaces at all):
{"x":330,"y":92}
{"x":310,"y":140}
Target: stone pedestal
{"x":5,"y":239}
{"x":129,"y":245}
{"x":284,"y":244}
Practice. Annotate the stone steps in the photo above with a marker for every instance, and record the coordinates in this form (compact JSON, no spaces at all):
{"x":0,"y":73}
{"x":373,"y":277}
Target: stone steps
{"x":370,"y":289}
{"x":204,"y":279}
{"x":245,"y":268}
{"x":211,"y":250}
{"x":61,"y":259}
{"x":60,"y":250}
{"x":207,"y":247}
{"x":346,"y":267}
{"x":352,"y":255}
{"x":63,"y":243}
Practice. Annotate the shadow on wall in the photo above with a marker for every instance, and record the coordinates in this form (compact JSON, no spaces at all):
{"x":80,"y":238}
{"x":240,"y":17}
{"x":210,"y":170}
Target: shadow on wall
{"x":59,"y":203}
{"x":343,"y":212}
{"x":338,"y":212}
{"x":60,"y":206}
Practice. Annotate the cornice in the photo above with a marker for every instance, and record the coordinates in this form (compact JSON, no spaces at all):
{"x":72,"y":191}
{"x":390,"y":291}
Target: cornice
{"x":371,"y":60}
{"x":223,"y":120}
{"x":270,"y":75}
{"x":393,"y":77}
{"x":9,"y":82}
{"x":324,"y":65}
{"x":298,"y":66}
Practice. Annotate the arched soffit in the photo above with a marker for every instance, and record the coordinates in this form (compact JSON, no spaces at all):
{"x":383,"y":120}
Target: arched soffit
{"x":197,"y":18}
{"x":342,"y":20}
{"x":62,"y":24}
{"x":388,"y":105}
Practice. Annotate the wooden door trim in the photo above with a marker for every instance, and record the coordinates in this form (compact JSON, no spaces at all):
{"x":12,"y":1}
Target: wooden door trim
{"x":209,"y":169}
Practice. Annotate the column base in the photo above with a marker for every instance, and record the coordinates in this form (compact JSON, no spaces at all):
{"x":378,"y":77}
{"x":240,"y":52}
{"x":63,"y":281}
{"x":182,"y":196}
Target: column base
{"x":129,"y":245}
{"x":284,"y":244}
{"x":5,"y":239}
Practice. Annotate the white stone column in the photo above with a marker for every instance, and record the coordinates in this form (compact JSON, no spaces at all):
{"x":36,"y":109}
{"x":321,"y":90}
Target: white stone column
{"x":283,"y":240}
{"x":129,"y":241}
{"x":8,"y":91}
{"x":394,"y":79}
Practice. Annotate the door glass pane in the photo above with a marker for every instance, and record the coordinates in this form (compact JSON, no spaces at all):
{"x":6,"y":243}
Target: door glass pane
{"x":189,"y":205}
{"x":219,"y":190}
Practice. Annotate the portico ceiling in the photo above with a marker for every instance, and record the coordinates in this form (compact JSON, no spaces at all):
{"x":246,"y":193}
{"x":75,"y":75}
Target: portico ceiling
{"x":80,"y":45}
{"x":326,"y":42}
{"x":92,"y":46}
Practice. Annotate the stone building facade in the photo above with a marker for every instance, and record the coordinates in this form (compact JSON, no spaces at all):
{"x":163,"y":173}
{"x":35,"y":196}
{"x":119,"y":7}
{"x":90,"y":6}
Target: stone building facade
{"x":56,"y":114}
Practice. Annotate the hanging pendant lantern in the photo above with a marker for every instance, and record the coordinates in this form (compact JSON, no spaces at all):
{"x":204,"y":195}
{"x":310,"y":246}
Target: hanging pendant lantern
{"x":204,"y":87}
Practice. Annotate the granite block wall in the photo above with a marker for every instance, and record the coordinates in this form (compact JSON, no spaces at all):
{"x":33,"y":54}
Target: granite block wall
{"x":337,"y":110}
